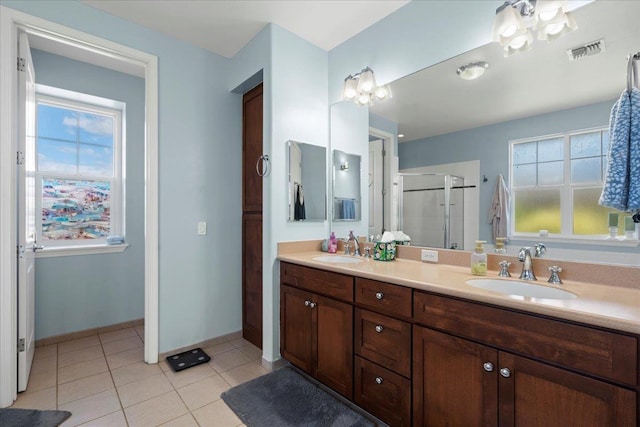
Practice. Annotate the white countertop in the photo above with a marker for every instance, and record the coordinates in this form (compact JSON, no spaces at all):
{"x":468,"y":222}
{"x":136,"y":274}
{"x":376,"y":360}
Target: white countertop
{"x":606,"y":306}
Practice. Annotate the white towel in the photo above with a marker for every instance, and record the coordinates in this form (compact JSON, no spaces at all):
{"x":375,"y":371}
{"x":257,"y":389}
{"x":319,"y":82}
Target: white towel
{"x":499,"y":210}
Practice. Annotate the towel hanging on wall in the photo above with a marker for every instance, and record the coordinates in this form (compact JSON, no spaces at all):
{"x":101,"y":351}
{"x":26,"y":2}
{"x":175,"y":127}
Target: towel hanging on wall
{"x":621,"y":188}
{"x":299,"y":211}
{"x":499,"y":210}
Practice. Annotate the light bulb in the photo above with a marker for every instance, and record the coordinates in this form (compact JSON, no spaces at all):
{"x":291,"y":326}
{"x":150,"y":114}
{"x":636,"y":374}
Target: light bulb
{"x":383,"y":92}
{"x":508,"y":31}
{"x":363,"y":99}
{"x":367,"y":81}
{"x":350,"y":88}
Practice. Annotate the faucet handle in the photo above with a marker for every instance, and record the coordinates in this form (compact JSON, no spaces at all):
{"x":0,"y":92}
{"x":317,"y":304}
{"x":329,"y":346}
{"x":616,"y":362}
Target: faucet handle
{"x":554,"y":278}
{"x":367,"y":252}
{"x":504,"y":269}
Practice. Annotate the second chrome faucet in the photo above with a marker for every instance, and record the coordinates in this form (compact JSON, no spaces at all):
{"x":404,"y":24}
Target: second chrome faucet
{"x":524,"y":256}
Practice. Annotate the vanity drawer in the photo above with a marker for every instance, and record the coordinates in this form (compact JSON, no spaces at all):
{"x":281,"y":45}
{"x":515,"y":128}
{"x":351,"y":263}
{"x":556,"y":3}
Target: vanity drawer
{"x":383,"y":297}
{"x":384,"y":340}
{"x":601,"y":353}
{"x":323,"y":282}
{"x":383,"y":393}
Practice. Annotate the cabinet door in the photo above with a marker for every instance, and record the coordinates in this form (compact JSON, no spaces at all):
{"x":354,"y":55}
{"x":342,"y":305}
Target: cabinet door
{"x":451,"y":386}
{"x":333,"y":346}
{"x":535,"y":394}
{"x":296,"y":328}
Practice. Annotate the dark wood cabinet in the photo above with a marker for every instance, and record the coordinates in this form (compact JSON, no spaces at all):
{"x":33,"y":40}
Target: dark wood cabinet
{"x":316,"y":335}
{"x":415,"y":358}
{"x":454,"y":381}
{"x":536,"y":394}
{"x":382,"y":392}
{"x":252,"y":217}
{"x":461,"y":382}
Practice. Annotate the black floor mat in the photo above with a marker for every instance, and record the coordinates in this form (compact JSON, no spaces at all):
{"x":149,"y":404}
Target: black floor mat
{"x":187,"y":359}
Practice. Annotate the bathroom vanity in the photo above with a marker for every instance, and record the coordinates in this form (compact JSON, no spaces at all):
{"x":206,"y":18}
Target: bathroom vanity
{"x":412,"y":344}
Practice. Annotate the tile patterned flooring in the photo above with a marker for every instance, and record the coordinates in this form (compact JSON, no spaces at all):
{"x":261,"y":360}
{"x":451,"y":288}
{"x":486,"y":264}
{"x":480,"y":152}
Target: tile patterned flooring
{"x":103,"y":380}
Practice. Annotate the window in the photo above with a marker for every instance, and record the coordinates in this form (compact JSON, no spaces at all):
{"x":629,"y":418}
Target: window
{"x":79,"y":168}
{"x":556,"y":182}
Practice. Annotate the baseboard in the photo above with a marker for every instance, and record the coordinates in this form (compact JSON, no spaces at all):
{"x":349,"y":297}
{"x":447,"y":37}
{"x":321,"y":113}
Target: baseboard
{"x":276,"y":364}
{"x":88,"y":332}
{"x":207,"y":343}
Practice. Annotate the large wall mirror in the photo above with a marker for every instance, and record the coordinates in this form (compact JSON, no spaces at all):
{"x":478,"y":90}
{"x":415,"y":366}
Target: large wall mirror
{"x":346,"y":186}
{"x":307,"y":182}
{"x":464,"y":127}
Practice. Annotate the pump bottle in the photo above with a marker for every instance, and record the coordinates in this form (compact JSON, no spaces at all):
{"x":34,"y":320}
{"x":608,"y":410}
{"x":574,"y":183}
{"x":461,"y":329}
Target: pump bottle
{"x":479,"y":260}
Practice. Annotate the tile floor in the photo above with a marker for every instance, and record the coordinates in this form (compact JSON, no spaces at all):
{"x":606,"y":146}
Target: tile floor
{"x":103,"y":381}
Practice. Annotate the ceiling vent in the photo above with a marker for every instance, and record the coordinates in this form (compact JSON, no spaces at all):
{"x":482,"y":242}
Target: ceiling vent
{"x":588,"y":49}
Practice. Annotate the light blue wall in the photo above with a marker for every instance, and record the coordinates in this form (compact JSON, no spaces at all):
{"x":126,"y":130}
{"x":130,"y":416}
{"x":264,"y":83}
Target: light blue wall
{"x":417,"y":35}
{"x":385,"y":125}
{"x":199,"y":174}
{"x":490,"y":145}
{"x":76,"y":293}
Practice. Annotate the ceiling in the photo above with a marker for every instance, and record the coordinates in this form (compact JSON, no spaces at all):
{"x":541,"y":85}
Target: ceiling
{"x":436,"y":101}
{"x":225,"y":26}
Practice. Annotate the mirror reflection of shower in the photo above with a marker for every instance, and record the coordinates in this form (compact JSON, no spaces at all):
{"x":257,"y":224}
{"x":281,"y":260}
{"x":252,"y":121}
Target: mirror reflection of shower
{"x":431,"y":209}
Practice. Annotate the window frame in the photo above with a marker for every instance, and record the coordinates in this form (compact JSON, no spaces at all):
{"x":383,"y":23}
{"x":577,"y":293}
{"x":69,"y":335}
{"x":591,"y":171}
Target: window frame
{"x":567,"y":189}
{"x":85,"y":103}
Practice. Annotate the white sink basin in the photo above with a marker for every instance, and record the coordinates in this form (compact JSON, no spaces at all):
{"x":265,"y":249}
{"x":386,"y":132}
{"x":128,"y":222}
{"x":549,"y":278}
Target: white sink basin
{"x":529,"y":290}
{"x":338,"y":259}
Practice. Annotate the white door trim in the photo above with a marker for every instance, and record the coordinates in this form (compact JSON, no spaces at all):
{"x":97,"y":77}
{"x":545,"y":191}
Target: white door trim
{"x":10,"y":21}
{"x":390,"y":169}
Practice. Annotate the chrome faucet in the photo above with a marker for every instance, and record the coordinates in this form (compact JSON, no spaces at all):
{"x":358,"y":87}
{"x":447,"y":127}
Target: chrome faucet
{"x":356,"y":244}
{"x":524,"y":256}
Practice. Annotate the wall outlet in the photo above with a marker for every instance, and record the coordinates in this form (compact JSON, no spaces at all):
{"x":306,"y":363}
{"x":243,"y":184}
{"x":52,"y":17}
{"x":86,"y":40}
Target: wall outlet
{"x":429,"y":256}
{"x":202,"y":228}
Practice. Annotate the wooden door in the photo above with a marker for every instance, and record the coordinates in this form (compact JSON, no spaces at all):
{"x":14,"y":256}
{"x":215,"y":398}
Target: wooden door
{"x":252,"y":217}
{"x":296,"y":328}
{"x":450,"y":384}
{"x":536,"y":394}
{"x":333,"y":344}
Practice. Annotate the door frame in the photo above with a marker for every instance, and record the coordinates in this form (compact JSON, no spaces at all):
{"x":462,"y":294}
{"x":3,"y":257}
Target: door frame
{"x":390,"y":169}
{"x":10,"y":21}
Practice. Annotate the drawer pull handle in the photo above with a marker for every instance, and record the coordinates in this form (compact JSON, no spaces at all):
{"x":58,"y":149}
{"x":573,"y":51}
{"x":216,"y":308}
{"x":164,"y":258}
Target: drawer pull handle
{"x":379,"y":295}
{"x":312,"y":305}
{"x":306,"y":303}
{"x":505,"y":372}
{"x":379,"y":328}
{"x":379,"y":380}
{"x":488,"y":366}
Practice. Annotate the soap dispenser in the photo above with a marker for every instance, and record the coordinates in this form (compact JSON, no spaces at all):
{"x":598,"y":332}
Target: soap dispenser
{"x":333,"y":243}
{"x":479,"y":260}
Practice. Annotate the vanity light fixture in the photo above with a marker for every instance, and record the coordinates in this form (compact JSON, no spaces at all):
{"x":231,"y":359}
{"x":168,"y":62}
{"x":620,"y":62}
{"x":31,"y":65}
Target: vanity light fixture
{"x":473,"y":70}
{"x":516,"y":20}
{"x":362,"y":89}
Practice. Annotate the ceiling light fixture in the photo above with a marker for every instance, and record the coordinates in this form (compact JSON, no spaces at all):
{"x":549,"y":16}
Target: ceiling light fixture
{"x":362,"y":89}
{"x":472,"y":70}
{"x":516,"y":20}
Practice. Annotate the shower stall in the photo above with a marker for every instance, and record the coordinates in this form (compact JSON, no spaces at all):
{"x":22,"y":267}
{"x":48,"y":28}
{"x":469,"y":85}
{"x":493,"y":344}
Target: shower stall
{"x":431,"y":209}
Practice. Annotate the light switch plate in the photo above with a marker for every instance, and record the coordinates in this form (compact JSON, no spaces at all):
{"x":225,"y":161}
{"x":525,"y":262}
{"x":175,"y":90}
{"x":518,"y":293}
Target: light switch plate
{"x":202,"y":228}
{"x":429,"y":256}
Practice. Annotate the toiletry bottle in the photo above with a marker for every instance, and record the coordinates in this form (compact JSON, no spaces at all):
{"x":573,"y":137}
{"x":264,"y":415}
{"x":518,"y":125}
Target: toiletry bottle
{"x":479,"y":260}
{"x":500,"y":249}
{"x":333,"y":243}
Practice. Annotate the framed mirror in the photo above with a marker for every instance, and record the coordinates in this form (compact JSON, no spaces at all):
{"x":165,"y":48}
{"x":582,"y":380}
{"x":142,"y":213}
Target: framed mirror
{"x":347,"y":198}
{"x":307,"y":185}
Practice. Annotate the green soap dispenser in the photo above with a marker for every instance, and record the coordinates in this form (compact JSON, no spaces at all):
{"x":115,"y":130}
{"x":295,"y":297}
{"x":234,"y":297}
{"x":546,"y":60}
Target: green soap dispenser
{"x":479,"y":260}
